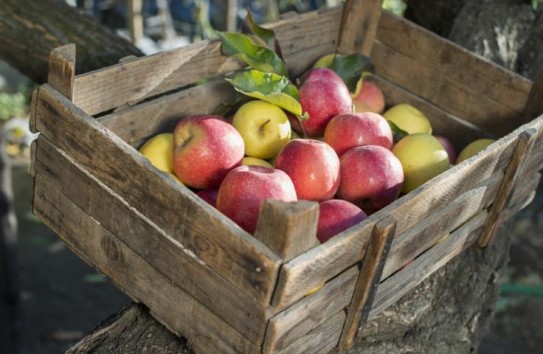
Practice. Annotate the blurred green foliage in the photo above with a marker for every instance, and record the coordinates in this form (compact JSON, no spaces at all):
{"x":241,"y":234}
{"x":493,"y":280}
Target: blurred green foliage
{"x":13,"y":104}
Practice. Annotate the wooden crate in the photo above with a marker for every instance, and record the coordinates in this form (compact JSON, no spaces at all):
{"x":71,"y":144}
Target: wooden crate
{"x":201,"y":275}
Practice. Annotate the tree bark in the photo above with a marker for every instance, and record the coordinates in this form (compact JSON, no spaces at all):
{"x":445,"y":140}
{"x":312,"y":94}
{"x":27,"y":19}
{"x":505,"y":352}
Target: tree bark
{"x":30,"y":29}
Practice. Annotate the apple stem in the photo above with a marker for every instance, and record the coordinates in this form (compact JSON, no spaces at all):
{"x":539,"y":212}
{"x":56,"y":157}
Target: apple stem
{"x":261,"y":129}
{"x":300,"y":120}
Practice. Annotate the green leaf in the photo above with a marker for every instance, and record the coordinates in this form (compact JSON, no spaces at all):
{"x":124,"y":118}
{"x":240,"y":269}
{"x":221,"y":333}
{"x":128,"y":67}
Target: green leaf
{"x":397,"y":7}
{"x":256,"y":56}
{"x":270,"y":87}
{"x":397,"y":132}
{"x":264,"y":34}
{"x":535,"y":4}
{"x":351,"y":67}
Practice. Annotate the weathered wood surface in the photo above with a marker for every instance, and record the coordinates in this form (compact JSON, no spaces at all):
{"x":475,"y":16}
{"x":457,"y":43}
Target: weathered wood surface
{"x":368,"y":278}
{"x":358,"y":26}
{"x":61,"y":72}
{"x":135,"y":232}
{"x":288,"y":229}
{"x":209,"y":235}
{"x":316,"y":266}
{"x":131,"y":273}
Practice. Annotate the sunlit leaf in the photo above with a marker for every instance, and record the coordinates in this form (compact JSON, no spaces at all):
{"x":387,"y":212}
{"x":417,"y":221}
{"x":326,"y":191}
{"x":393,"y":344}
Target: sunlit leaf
{"x":256,"y":56}
{"x":266,"y":35}
{"x":270,"y":87}
{"x":351,"y":67}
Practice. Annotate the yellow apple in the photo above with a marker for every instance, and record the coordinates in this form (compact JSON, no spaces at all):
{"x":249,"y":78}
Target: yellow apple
{"x":254,"y":161}
{"x":408,"y":118}
{"x":265,"y":128}
{"x":473,"y":148}
{"x":159,"y":151}
{"x":325,"y":61}
{"x":422,"y":157}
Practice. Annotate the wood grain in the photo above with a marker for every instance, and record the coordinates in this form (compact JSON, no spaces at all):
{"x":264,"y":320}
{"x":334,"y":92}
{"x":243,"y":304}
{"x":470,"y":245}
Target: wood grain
{"x":61,"y":71}
{"x":368,"y":278}
{"x":151,"y":243}
{"x":213,"y":238}
{"x":288,"y":229}
{"x":171,"y":306}
{"x":301,"y":318}
{"x":534,"y":106}
{"x":359,"y":23}
{"x":515,"y":167}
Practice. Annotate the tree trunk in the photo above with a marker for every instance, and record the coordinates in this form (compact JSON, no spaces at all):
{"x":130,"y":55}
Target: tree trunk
{"x":29,"y":29}
{"x":9,"y":280}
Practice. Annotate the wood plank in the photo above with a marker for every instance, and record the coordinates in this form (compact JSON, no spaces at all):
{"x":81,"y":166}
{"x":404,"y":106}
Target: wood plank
{"x":358,"y":26}
{"x":368,"y":278}
{"x":129,"y":83}
{"x":322,"y":339}
{"x":458,"y":81}
{"x":32,"y":115}
{"x":512,"y":172}
{"x":151,"y":243}
{"x":171,"y":306}
{"x":213,"y":238}
{"x":420,"y":237}
{"x":141,"y":121}
{"x":301,"y":318}
{"x":534,"y":106}
{"x":288,"y":229}
{"x":321,"y":263}
{"x":524,"y":189}
{"x":408,"y":278}
{"x":61,"y":72}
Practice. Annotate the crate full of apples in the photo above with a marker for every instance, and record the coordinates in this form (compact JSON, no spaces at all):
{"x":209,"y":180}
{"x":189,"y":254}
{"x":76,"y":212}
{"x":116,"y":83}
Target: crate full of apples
{"x":273,"y":190}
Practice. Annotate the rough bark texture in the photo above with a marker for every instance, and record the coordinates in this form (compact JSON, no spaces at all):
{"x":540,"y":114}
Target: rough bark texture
{"x":30,"y":29}
{"x":9,"y":289}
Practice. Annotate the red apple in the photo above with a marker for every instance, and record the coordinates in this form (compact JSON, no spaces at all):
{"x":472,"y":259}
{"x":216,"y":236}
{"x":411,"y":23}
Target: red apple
{"x":313,"y":167}
{"x":206,"y":148}
{"x":449,"y":147}
{"x":244,"y":190}
{"x":370,"y":98}
{"x":209,"y":195}
{"x":348,"y":130}
{"x":371,"y":177}
{"x":323,"y":95}
{"x":335,"y":216}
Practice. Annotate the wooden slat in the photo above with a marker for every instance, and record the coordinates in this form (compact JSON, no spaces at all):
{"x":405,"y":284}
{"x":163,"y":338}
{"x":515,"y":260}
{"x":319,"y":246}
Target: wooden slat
{"x":525,"y":188}
{"x":61,"y":72}
{"x":515,"y":167}
{"x":453,"y":78}
{"x":212,"y":237}
{"x":321,"y":339}
{"x":148,"y":241}
{"x":407,"y":279}
{"x":301,"y":318}
{"x":534,"y":106}
{"x":174,"y":308}
{"x":128,"y":83}
{"x":420,"y":237}
{"x":32,"y":115}
{"x":358,"y":27}
{"x":288,"y":229}
{"x":368,"y":278}
{"x":319,"y":264}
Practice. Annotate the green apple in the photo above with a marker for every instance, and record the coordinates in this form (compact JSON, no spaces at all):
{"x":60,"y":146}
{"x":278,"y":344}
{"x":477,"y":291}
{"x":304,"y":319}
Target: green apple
{"x":408,"y":118}
{"x":265,"y":128}
{"x":473,"y":148}
{"x":422,"y":157}
{"x":255,"y":161}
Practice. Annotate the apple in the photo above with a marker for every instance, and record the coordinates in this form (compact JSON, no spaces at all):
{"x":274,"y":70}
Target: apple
{"x":206,"y":148}
{"x":335,"y":216}
{"x":265,"y":128}
{"x":348,"y":130}
{"x":449,"y":147}
{"x":209,"y":195}
{"x":244,"y":190}
{"x":423,"y":157}
{"x":408,"y":118}
{"x":473,"y":148}
{"x":368,"y":97}
{"x":313,"y":167}
{"x":323,"y":95}
{"x":371,"y":177}
{"x":254,"y":161}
